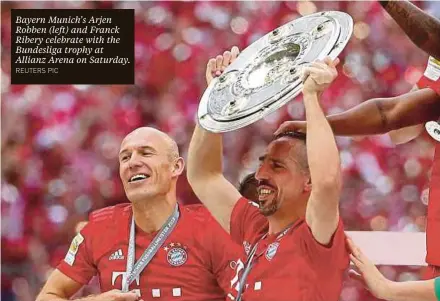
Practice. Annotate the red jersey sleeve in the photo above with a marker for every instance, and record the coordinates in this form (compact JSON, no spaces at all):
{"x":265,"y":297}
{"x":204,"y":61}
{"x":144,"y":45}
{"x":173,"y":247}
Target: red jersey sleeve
{"x":78,"y":263}
{"x":431,"y":77}
{"x":247,"y":223}
{"x":334,"y":255}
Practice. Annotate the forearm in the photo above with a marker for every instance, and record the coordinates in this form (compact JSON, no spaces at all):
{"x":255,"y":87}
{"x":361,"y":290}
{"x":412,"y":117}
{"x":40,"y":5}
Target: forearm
{"x":411,"y":290}
{"x":322,"y":151}
{"x":381,"y":115}
{"x":55,"y":297}
{"x":204,"y":154}
{"x":420,"y":27}
{"x":367,"y":118}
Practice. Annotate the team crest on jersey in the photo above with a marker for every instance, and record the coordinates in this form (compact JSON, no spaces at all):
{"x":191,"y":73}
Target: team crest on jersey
{"x":271,"y":250}
{"x":73,"y":249}
{"x":176,"y":254}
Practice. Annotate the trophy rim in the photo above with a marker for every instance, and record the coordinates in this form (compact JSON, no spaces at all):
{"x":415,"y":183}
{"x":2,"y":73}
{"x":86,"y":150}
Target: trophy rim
{"x":206,"y":121}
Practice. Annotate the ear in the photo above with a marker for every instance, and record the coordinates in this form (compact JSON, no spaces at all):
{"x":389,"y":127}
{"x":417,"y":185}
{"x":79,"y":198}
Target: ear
{"x":308,"y":184}
{"x":178,"y":167}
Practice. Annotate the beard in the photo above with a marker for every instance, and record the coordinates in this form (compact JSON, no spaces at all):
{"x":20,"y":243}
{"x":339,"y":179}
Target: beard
{"x":269,"y":208}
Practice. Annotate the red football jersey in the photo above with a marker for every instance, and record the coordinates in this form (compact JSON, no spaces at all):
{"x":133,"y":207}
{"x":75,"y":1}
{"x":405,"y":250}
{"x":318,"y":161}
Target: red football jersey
{"x":194,"y":263}
{"x":431,"y":79}
{"x":293,"y":267}
{"x":433,"y":215}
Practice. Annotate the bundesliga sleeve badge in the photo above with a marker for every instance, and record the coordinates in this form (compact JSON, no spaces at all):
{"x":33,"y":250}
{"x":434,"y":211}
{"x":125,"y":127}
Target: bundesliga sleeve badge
{"x":73,"y":249}
{"x":433,"y":69}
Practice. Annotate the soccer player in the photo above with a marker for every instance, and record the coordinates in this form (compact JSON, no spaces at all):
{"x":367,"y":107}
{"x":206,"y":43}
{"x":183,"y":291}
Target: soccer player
{"x":403,"y":116}
{"x":384,"y":289}
{"x":294,"y":241}
{"x":151,"y":248}
{"x":400,"y":116}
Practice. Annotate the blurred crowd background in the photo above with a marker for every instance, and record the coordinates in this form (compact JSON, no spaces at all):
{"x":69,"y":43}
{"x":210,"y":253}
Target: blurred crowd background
{"x":60,"y":143}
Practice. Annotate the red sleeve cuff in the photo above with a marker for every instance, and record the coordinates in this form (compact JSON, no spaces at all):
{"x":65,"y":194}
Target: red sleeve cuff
{"x":335,"y":252}
{"x":68,"y":271}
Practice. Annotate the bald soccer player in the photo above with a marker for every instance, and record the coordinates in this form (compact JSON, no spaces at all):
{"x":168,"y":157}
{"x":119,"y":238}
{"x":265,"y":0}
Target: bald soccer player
{"x":151,"y":248}
{"x":293,"y":238}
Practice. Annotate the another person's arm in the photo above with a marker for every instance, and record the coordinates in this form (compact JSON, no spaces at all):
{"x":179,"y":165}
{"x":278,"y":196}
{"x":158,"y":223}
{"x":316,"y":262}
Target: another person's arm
{"x":422,"y":28}
{"x":322,"y":213}
{"x":381,"y":115}
{"x":406,"y":134}
{"x":385,"y":289}
{"x":204,"y":170}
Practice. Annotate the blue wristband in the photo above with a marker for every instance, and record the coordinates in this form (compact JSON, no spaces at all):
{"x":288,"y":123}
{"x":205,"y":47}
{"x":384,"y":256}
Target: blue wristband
{"x":437,"y":288}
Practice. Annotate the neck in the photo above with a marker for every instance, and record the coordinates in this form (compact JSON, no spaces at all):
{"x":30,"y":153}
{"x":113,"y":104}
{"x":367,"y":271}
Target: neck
{"x":282,"y":219}
{"x":276,"y":224}
{"x":151,"y":215}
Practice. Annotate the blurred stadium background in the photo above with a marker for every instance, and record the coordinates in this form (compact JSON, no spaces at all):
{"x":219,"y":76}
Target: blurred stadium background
{"x":60,"y":143}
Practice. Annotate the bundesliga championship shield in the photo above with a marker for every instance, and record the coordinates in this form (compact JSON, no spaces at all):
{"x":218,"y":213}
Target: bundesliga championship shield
{"x":267,"y":74}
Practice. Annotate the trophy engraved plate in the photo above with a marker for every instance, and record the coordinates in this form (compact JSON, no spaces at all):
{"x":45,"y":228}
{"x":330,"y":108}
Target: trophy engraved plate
{"x":267,"y":74}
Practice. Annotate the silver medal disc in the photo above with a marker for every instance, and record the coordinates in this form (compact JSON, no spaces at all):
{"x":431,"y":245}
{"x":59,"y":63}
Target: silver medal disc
{"x":267,"y":74}
{"x":433,"y":129}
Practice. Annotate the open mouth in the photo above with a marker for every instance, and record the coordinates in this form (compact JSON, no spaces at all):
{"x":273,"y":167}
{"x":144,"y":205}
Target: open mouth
{"x":138,"y":178}
{"x":265,"y":193}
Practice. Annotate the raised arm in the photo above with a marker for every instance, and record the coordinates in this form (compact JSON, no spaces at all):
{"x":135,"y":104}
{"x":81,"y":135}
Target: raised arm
{"x":381,"y":115}
{"x":419,"y":26}
{"x":322,"y":213}
{"x":204,"y":168}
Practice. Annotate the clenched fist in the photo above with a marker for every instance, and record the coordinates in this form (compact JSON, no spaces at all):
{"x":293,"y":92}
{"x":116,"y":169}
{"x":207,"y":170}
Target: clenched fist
{"x":319,"y":75}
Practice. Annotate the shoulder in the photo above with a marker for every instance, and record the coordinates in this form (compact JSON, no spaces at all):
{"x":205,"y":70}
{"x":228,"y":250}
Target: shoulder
{"x":197,"y":212}
{"x":337,"y":240}
{"x":200,"y":221}
{"x":109,"y":215}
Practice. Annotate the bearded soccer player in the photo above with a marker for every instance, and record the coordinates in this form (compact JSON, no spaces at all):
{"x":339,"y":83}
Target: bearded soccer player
{"x":151,"y":248}
{"x":294,"y":242}
{"x":401,"y":116}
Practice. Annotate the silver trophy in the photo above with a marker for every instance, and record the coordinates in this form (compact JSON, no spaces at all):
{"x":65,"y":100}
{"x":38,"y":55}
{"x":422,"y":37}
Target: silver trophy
{"x":267,"y":74}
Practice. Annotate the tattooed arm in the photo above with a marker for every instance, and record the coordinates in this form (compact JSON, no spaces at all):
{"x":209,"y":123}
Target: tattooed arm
{"x":380,"y":115}
{"x":421,"y":28}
